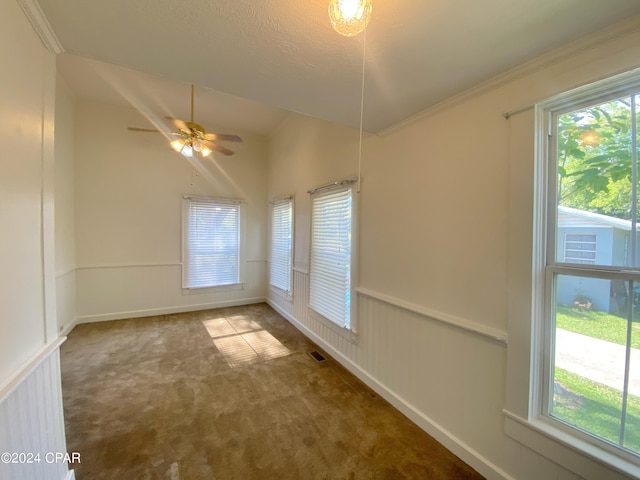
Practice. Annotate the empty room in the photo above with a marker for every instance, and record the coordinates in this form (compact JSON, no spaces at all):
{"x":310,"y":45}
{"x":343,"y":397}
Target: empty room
{"x":327,"y":239}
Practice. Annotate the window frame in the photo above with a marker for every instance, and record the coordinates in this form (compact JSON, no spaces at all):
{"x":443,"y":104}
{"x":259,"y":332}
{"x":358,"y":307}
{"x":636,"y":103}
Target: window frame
{"x":186,"y":205}
{"x":286,"y":200}
{"x":545,"y":268}
{"x":349,"y":330}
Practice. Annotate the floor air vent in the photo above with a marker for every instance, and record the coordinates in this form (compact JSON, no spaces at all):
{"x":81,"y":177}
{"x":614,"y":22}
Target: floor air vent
{"x":317,"y":357}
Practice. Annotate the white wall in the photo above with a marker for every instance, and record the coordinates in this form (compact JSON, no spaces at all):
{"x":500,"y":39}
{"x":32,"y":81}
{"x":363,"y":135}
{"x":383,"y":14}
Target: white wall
{"x":30,"y":398}
{"x":65,"y":206}
{"x":445,"y":255}
{"x":129,"y":187}
{"x":26,"y":97}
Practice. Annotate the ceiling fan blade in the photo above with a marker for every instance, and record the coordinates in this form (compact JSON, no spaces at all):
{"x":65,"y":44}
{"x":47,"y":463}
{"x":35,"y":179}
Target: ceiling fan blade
{"x":138,"y":129}
{"x":218,"y":148}
{"x":180,"y":125}
{"x":223,"y":137}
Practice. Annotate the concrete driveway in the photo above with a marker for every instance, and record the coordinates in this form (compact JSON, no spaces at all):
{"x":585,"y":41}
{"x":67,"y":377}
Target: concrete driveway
{"x":597,"y":360}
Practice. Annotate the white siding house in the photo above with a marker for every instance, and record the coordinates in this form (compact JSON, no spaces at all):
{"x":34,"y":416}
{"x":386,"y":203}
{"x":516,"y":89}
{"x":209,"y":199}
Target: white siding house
{"x":591,"y":238}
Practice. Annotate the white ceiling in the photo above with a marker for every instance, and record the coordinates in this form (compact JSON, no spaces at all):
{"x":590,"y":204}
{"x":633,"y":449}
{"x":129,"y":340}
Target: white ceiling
{"x":283,"y":55}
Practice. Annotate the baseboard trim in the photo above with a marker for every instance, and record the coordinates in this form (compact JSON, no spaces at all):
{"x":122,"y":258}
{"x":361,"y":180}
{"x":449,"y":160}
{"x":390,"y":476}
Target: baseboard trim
{"x":105,"y":317}
{"x":67,"y":329}
{"x":458,"y":447}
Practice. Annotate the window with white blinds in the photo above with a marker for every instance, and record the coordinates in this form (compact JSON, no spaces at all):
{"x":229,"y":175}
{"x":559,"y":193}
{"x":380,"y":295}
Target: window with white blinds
{"x":281,"y":243}
{"x":211,"y":243}
{"x":331,"y":244}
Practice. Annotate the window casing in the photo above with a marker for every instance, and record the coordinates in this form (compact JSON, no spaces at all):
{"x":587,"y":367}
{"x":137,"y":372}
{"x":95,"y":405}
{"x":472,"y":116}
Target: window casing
{"x":589,"y":143}
{"x":281,"y":244}
{"x":211,"y":242}
{"x":331,"y":262}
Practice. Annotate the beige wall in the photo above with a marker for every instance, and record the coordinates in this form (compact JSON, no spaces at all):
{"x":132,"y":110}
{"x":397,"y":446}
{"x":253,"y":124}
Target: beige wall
{"x":31,"y":414}
{"x":305,"y":152}
{"x":128,"y":191}
{"x":446,"y":213}
{"x":27,"y":85}
{"x":65,"y":255}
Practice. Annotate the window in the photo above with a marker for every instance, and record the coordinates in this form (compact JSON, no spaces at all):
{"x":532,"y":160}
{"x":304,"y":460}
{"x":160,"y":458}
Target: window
{"x":587,"y":292}
{"x":580,"y":248}
{"x":331,"y":252}
{"x":281,"y":243}
{"x":211,"y":246}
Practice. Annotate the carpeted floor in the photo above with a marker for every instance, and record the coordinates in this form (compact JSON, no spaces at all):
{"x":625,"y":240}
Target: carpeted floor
{"x":230,"y":394}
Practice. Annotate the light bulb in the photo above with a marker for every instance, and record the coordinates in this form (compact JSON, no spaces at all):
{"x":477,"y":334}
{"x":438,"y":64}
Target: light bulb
{"x":349,"y":17}
{"x":177,"y":144}
{"x":187,"y":151}
{"x":205,"y":151}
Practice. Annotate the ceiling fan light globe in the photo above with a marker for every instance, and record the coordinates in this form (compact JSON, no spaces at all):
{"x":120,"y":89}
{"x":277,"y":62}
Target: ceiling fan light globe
{"x":205,"y":151}
{"x":177,"y":145}
{"x":187,"y":151}
{"x":349,"y":17}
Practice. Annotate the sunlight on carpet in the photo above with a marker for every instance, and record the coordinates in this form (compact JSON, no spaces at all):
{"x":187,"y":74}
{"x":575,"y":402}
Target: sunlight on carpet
{"x":242,"y":341}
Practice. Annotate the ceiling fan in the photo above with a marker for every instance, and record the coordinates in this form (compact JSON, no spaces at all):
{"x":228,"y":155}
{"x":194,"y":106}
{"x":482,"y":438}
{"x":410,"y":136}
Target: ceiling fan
{"x":192,"y":137}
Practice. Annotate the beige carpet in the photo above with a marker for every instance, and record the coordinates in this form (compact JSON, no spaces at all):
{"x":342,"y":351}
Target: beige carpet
{"x":230,"y":394}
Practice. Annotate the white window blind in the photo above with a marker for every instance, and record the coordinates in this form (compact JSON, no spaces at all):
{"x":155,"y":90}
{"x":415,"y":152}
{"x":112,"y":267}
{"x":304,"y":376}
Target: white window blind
{"x":281,"y":243}
{"x":330,"y":268}
{"x":212,"y":244}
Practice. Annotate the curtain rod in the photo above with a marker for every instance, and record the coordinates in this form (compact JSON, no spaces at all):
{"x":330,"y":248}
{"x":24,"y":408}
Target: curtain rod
{"x":281,"y":199}
{"x":508,"y":115}
{"x":333,"y":184}
{"x":213,"y":199}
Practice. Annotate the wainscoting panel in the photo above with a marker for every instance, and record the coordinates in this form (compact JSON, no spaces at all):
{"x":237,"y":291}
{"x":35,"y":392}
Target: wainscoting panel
{"x":31,"y":415}
{"x":447,"y":376}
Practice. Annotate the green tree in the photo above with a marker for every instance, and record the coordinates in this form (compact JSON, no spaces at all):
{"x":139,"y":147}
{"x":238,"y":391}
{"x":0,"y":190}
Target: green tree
{"x":594,"y":159}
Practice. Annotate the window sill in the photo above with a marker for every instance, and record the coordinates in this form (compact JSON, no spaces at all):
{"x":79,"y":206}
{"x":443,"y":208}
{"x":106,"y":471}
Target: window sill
{"x":581,"y":457}
{"x":217,"y":289}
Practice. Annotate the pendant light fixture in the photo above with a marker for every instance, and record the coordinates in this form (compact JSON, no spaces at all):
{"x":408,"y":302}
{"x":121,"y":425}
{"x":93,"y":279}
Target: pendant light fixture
{"x":349,"y":17}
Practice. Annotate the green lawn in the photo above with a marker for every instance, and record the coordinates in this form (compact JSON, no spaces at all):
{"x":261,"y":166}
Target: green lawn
{"x":589,"y":405}
{"x":605,"y":326}
{"x":595,"y":408}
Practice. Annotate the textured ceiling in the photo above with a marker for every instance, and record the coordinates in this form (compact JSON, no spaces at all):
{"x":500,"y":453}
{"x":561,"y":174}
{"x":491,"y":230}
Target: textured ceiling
{"x":284,"y":54}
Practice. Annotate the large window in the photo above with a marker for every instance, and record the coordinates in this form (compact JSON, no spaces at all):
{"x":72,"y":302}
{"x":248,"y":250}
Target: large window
{"x":589,"y":280}
{"x":331,"y":252}
{"x":211,"y":243}
{"x":281,"y":243}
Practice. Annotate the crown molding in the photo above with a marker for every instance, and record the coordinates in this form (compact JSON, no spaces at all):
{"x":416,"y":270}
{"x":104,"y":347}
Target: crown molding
{"x":41,"y":25}
{"x":622,"y":29}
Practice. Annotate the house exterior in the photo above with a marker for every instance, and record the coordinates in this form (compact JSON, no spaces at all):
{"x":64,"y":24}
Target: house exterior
{"x":591,"y":238}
